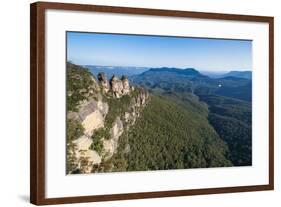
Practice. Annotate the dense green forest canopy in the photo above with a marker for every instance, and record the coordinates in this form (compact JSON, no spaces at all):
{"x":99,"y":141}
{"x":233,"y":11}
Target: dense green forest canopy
{"x":232,"y":119}
{"x":172,"y":136}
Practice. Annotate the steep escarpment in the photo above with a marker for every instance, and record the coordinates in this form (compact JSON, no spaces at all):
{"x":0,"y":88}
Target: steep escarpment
{"x":99,"y":111}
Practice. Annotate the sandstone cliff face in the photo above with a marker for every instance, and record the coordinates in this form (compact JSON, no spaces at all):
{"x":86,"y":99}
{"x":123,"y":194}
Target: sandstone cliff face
{"x":110,"y":145}
{"x":102,"y":125}
{"x":123,"y":122}
{"x":91,"y":114}
{"x":83,"y":153}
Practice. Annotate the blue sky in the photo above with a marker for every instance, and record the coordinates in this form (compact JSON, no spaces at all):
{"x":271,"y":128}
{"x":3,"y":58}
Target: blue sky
{"x":159,"y":51}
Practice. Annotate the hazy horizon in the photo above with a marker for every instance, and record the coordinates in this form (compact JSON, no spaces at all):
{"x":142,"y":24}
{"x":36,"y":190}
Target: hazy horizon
{"x":200,"y":70}
{"x":202,"y":54}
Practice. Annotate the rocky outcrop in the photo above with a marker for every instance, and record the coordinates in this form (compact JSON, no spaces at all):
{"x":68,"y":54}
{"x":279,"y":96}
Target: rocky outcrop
{"x":104,"y":82}
{"x":93,"y":121}
{"x":110,"y":145}
{"x":91,"y":114}
{"x":137,"y":103}
{"x":126,"y":85}
{"x":85,"y":157}
{"x":118,"y":87}
{"x":123,"y":123}
{"x":100,"y":138}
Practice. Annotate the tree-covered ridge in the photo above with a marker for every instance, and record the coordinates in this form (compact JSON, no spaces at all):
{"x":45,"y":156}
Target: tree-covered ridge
{"x":80,"y":85}
{"x":170,"y":135}
{"x":232,"y":119}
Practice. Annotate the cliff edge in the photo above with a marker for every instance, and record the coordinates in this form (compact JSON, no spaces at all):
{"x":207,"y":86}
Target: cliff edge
{"x":99,"y":111}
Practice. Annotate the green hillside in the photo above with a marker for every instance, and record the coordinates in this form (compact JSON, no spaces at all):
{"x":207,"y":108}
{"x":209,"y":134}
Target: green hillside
{"x":232,"y":119}
{"x":79,"y":82}
{"x":173,"y":135}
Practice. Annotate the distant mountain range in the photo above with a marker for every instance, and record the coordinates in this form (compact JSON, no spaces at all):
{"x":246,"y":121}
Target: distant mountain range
{"x":116,"y":70}
{"x":130,"y":71}
{"x":238,"y":74}
{"x":190,"y":72}
{"x":191,"y":80}
{"x":234,"y":84}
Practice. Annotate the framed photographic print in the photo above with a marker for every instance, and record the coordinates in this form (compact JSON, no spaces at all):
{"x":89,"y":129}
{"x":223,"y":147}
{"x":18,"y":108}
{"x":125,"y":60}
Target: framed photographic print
{"x":130,"y":103}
